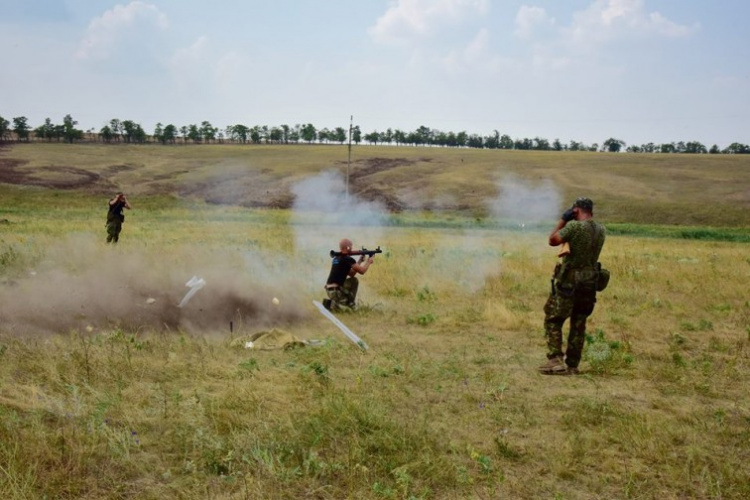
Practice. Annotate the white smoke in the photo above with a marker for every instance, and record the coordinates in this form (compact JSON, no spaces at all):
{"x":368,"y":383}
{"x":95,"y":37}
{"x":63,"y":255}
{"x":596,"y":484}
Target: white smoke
{"x":523,"y":203}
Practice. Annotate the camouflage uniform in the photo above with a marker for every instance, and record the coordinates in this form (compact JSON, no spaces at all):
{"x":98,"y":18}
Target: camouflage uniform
{"x":344,"y":296}
{"x":573,"y":292}
{"x":341,"y":288}
{"x":115,"y":218}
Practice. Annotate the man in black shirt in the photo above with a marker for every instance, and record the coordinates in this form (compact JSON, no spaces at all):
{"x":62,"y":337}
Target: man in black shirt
{"x":342,"y":283}
{"x":115,"y":218}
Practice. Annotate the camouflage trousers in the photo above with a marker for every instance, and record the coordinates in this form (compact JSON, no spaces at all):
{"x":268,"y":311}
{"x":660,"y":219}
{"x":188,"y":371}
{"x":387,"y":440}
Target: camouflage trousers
{"x":568,"y":302}
{"x":344,"y":296}
{"x":113,"y":230}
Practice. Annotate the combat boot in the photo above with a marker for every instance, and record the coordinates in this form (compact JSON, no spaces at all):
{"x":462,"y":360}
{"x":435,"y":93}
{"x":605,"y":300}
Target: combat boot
{"x":554,"y":366}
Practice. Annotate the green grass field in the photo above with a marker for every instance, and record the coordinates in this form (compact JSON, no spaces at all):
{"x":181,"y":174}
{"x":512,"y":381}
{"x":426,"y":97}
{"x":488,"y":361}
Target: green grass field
{"x":109,"y":390}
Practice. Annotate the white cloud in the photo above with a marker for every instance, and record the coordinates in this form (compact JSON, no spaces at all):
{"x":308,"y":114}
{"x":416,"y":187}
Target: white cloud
{"x":188,"y":65}
{"x":530,"y":18}
{"x":123,"y":22}
{"x":606,"y":20}
{"x":406,"y":20}
{"x":201,"y":69}
{"x":475,"y":56}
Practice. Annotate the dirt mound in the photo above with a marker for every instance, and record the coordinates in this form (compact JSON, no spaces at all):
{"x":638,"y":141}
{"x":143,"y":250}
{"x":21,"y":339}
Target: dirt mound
{"x":248,"y":189}
{"x":362,"y":185}
{"x":53,"y":176}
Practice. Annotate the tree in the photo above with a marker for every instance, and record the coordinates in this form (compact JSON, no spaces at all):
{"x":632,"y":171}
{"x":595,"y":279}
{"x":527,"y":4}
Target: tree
{"x":714,"y":150}
{"x":184,"y":133}
{"x":541,"y":144}
{"x":159,"y":132}
{"x":523,"y":144}
{"x":208,"y":132}
{"x":424,"y":135}
{"x":294,"y":134}
{"x":170,"y":134}
{"x":667,"y":148}
{"x":238,"y":133}
{"x":695,"y":147}
{"x":276,"y":135}
{"x":461,"y":139}
{"x":475,"y":141}
{"x":70,"y":132}
{"x":612,"y":145}
{"x":387,"y":136}
{"x":128,"y":128}
{"x":339,"y":135}
{"x":357,"y":134}
{"x":116,"y":126}
{"x":58,"y":132}
{"x":308,"y":133}
{"x":139,"y":135}
{"x":46,"y":131}
{"x":737,"y":148}
{"x":255,"y":134}
{"x":372,"y":137}
{"x":399,"y":137}
{"x":106,"y":134}
{"x":506,"y":142}
{"x":194,"y":134}
{"x":21,"y":128}
{"x":4,"y":129}
{"x":492,"y":141}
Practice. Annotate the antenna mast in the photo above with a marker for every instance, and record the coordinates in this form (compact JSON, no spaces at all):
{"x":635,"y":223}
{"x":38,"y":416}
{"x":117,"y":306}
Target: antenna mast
{"x":349,"y":161}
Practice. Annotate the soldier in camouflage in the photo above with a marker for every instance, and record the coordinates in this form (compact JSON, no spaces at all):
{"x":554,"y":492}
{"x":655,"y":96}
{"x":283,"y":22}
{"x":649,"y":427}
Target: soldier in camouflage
{"x":573,"y":293}
{"x":115,"y":217}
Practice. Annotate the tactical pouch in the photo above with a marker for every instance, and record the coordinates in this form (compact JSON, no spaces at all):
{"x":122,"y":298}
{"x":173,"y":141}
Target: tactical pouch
{"x":559,"y":273}
{"x":603,"y":278}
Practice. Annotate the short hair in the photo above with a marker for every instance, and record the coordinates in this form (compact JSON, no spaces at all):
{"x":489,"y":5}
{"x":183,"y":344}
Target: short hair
{"x":584,"y":203}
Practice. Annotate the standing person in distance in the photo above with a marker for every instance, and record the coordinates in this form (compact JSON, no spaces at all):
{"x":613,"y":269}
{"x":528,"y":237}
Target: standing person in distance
{"x":115,"y":217}
{"x":342,"y":283}
{"x":574,"y":283}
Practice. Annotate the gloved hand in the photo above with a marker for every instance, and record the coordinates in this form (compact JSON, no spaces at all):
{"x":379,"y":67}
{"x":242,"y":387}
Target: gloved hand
{"x":568,"y":215}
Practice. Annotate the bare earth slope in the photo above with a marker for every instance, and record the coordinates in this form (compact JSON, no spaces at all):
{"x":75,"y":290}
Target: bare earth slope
{"x":659,"y":188}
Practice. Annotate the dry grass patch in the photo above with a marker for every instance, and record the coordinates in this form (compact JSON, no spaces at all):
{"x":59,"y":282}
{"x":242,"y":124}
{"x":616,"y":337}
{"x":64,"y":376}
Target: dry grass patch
{"x":446,"y":403}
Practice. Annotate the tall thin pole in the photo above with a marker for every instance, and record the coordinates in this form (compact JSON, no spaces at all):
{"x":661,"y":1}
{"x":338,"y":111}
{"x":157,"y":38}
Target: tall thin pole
{"x":349,"y":161}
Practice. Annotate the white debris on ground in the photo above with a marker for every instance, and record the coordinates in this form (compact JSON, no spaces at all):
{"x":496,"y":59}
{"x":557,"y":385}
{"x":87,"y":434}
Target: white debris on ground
{"x":195,"y":283}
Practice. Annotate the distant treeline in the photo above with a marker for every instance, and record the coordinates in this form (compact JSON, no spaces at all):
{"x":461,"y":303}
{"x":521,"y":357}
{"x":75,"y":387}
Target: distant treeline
{"x":130,"y":132}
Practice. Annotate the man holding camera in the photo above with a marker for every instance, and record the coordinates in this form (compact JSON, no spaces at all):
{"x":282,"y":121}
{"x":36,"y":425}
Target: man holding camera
{"x":115,"y":217}
{"x":574,"y":286}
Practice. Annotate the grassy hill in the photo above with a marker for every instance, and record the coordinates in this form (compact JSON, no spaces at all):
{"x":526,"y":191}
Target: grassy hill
{"x":108,"y":389}
{"x":686,"y":190}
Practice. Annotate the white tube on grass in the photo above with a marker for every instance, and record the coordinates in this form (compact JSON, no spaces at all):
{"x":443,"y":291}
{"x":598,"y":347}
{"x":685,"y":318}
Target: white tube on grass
{"x":195,"y":283}
{"x":341,"y":326}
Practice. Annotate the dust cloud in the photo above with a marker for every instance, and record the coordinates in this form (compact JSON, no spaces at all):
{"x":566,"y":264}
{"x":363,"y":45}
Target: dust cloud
{"x":323,"y":214}
{"x":470,"y":256}
{"x":84,"y":285}
{"x":523,"y":203}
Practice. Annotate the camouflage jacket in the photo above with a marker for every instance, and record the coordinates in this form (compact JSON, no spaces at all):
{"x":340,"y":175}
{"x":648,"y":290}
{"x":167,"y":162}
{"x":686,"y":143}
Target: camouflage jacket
{"x":580,"y":263}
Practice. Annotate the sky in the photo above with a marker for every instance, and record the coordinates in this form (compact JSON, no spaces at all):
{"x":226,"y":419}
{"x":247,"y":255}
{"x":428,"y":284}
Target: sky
{"x":575,"y":70}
